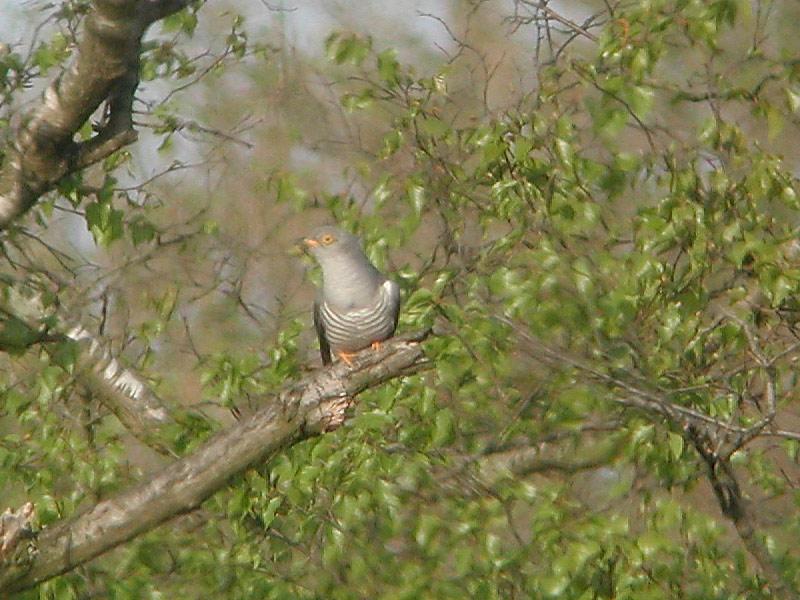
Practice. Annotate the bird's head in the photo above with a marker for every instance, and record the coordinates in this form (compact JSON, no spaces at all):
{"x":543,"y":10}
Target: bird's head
{"x":327,"y":242}
{"x":348,"y":277}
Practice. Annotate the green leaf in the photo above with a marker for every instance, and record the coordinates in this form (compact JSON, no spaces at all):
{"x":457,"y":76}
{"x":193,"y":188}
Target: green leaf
{"x":65,"y":354}
{"x":391,"y":143}
{"x":388,"y":67}
{"x":104,"y":222}
{"x":350,"y":48}
{"x":444,"y":428}
{"x":360,"y":101}
{"x":676,"y":444}
{"x":792,"y":99}
{"x":16,"y":336}
{"x":48,"y":55}
{"x":373,"y":421}
{"x":142,"y":231}
{"x":269,"y":514}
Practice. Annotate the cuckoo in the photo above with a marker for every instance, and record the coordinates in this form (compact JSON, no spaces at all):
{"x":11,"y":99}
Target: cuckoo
{"x":357,"y":305}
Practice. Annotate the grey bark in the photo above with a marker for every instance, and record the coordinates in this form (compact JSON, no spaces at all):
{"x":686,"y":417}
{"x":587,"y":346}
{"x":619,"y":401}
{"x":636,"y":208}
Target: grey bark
{"x":311,"y":406}
{"x":105,"y":68}
{"x":118,"y":387}
{"x":15,"y":525}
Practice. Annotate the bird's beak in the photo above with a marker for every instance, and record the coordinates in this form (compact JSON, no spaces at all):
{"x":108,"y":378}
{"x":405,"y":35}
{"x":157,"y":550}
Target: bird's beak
{"x":303,"y":245}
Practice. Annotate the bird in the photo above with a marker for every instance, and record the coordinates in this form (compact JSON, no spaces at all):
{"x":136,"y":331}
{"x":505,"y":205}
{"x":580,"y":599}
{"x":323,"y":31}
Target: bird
{"x":357,"y":305}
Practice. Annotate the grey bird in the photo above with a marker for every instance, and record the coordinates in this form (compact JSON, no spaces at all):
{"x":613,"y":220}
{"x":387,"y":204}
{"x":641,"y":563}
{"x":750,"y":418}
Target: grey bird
{"x":357,"y":305}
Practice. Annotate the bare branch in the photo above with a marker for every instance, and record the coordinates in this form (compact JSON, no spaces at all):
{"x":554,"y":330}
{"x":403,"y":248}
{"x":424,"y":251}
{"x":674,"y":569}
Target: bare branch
{"x":301,"y":410}
{"x":770,"y":392}
{"x":552,"y":14}
{"x":97,"y":149}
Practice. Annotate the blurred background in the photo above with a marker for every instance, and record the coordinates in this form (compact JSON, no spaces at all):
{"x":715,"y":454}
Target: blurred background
{"x":609,"y":179}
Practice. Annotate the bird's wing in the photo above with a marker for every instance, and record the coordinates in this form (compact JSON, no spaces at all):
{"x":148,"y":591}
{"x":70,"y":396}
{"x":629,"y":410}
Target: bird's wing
{"x":393,"y":295}
{"x":324,"y":346}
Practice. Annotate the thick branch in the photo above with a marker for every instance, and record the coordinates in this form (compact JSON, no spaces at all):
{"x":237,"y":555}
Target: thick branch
{"x":104,"y":68}
{"x":303,"y":409}
{"x":15,"y":525}
{"x":738,"y":510}
{"x":121,"y":390}
{"x":118,"y":388}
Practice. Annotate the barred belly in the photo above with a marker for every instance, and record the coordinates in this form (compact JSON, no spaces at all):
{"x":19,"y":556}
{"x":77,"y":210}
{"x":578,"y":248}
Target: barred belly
{"x":356,"y":329}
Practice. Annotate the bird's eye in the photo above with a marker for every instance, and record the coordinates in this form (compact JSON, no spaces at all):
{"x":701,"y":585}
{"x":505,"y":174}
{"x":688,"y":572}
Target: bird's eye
{"x":327,"y":239}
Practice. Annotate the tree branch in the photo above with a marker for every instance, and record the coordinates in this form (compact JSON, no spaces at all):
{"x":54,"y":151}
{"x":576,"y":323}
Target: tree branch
{"x":734,"y":506}
{"x":303,"y":409}
{"x":526,"y":461}
{"x":483,"y":473}
{"x":118,"y":388}
{"x":15,"y":525}
{"x":104,"y":69}
{"x":706,"y":434}
{"x":572,"y":25}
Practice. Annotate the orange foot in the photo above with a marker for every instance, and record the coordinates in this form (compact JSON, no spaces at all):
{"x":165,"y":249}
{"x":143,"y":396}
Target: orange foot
{"x":346,"y":357}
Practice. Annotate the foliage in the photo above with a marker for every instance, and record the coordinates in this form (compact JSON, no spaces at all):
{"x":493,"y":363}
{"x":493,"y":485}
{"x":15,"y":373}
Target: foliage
{"x":621,"y":224}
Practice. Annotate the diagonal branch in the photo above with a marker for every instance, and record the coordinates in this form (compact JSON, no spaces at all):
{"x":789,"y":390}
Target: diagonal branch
{"x":569,"y":24}
{"x":706,"y":434}
{"x":104,"y":69}
{"x":119,"y":388}
{"x":301,"y":410}
{"x":738,"y":509}
{"x":15,"y":525}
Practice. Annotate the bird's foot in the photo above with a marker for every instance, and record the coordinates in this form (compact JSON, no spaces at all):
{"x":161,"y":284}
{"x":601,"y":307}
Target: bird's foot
{"x":347,"y":357}
{"x":376,"y":345}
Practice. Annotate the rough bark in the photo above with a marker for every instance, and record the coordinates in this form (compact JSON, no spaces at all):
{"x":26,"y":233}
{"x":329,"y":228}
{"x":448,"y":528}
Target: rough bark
{"x":118,"y":387}
{"x":308,"y":407}
{"x":738,"y":509}
{"x":15,"y":526}
{"x":105,"y":68}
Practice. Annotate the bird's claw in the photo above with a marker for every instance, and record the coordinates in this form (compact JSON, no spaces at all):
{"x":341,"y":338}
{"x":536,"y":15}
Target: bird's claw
{"x":347,"y":358}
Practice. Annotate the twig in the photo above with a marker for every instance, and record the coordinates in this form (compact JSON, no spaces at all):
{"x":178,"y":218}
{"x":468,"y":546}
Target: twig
{"x":304,"y":408}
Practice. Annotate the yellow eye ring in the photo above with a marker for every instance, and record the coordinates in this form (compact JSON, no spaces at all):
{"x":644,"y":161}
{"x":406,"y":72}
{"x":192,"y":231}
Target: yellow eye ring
{"x":327,"y":239}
